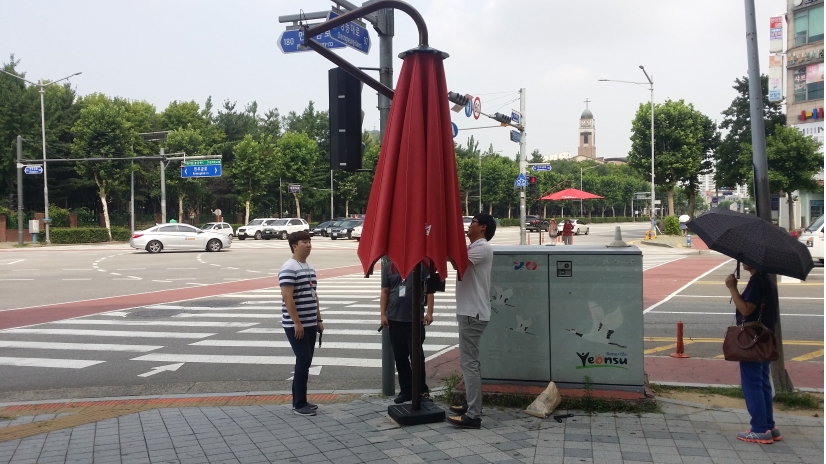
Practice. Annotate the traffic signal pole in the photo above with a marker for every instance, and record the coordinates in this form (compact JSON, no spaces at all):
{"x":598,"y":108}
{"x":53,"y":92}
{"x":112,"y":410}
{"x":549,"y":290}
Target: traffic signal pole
{"x":523,"y":167}
{"x":20,"y":190}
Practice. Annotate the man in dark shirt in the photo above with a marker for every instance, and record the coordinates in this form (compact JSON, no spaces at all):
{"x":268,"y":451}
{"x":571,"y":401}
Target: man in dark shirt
{"x":396,"y":306}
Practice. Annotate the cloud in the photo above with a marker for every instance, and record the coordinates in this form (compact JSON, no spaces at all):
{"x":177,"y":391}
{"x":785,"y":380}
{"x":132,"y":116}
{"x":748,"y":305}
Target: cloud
{"x":567,"y":76}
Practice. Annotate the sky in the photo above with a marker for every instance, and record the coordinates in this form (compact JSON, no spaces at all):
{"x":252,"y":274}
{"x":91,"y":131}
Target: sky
{"x":161,"y":51}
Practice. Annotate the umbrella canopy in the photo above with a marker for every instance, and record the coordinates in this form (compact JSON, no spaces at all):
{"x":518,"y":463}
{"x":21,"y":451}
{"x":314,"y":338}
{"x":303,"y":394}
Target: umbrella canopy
{"x":684,"y":218}
{"x":571,"y":194}
{"x":414,"y":211}
{"x":754,"y":241}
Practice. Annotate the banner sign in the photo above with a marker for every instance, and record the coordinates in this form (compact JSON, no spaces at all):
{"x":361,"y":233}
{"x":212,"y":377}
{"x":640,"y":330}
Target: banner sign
{"x":776,"y":34}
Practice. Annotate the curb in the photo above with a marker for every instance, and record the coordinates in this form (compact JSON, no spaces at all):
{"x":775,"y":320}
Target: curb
{"x":721,"y":385}
{"x":705,"y":407}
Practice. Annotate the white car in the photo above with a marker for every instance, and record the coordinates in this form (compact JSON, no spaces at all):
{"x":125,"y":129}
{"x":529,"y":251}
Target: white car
{"x":281,"y":228}
{"x":356,"y":233}
{"x":467,"y":220}
{"x":579,"y":226}
{"x":219,"y":227}
{"x":255,"y":228}
{"x":812,"y":237}
{"x":178,"y":236}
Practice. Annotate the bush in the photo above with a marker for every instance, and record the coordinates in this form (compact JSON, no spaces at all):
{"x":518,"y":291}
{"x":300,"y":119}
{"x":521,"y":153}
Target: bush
{"x":60,"y":216}
{"x":671,"y":225}
{"x":61,"y":235}
{"x":505,"y":222}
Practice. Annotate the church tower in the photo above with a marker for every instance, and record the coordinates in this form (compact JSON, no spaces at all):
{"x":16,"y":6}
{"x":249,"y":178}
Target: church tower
{"x":587,"y":134}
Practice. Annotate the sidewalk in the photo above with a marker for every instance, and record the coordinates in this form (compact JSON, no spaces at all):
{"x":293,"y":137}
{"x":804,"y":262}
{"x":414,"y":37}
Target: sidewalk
{"x":263,"y":429}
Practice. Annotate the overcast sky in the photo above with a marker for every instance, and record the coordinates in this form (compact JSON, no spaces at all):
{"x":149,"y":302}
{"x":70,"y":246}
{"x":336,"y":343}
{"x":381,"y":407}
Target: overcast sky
{"x":160,"y":51}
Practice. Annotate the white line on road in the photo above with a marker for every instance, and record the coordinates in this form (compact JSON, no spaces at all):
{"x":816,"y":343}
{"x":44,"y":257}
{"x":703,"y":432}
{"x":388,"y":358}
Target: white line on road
{"x":728,"y":297}
{"x":729,"y":314}
{"x":685,"y":286}
{"x":121,"y":322}
{"x":14,"y":279}
{"x":131,"y":269}
{"x":349,"y":332}
{"x":376,"y":305}
{"x":286,"y":344}
{"x":280,"y":360}
{"x":162,"y":281}
{"x":182,"y":268}
{"x":110,"y":333}
{"x":80,"y":269}
{"x":78,"y":279}
{"x":13,"y":261}
{"x":436,"y":355}
{"x":45,"y":362}
{"x":78,"y":346}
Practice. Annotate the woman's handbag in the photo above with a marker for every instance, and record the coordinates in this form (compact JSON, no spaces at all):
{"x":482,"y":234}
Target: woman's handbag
{"x":750,"y":342}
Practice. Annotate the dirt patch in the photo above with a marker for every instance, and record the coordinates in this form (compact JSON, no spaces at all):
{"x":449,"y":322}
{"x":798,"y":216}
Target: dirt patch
{"x":720,"y":401}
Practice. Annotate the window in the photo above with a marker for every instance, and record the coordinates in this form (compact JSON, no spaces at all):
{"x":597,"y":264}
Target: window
{"x":168,"y":229}
{"x":808,"y":83}
{"x":808,"y":26}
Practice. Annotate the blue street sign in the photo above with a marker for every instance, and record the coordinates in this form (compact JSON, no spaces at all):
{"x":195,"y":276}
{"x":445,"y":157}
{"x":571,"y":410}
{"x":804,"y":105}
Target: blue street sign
{"x":455,"y":129}
{"x":201,"y":171}
{"x":541,"y":167}
{"x":521,"y":181}
{"x":469,"y":107}
{"x":350,"y":34}
{"x":33,"y":169}
{"x":516,"y":136}
{"x":516,"y":117}
{"x":289,"y":41}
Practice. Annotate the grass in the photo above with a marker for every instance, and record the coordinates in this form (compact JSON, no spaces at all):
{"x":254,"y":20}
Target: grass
{"x":789,"y":400}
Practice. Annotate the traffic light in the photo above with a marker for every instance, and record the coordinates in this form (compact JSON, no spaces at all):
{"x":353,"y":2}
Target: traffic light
{"x":345,"y":121}
{"x":532,"y":187}
{"x":458,"y":99}
{"x":502,"y":118}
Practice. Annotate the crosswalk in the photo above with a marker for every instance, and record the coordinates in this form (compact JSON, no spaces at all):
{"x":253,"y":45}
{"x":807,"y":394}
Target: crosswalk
{"x":242,"y":329}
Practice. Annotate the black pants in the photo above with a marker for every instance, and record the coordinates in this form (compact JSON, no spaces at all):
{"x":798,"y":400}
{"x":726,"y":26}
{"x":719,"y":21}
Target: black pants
{"x":303,"y":349}
{"x":401,"y":339}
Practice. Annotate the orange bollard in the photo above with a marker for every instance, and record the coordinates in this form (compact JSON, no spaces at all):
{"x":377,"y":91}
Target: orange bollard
{"x":680,"y":353}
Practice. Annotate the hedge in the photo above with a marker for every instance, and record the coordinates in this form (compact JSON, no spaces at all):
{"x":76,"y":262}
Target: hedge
{"x":593,"y":220}
{"x":87,"y":235}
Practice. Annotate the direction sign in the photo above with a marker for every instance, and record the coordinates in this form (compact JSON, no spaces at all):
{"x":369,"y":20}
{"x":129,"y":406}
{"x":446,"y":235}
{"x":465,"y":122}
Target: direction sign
{"x":477,"y":108}
{"x":290,"y":41}
{"x":455,"y":129}
{"x":201,"y":171}
{"x":206,"y":162}
{"x":350,"y":34}
{"x":541,"y":167}
{"x":516,"y":117}
{"x":521,"y":181}
{"x":516,"y":136}
{"x":294,"y":188}
{"x":33,"y":169}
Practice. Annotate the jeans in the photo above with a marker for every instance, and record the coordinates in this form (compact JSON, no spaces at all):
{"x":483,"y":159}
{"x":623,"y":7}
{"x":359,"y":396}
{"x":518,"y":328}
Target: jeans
{"x":401,"y":339}
{"x":470,"y":332}
{"x":757,"y":390}
{"x":303,"y":349}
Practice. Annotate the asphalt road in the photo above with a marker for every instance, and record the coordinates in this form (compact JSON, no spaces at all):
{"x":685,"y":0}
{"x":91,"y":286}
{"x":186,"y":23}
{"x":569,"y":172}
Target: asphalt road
{"x":234,"y":342}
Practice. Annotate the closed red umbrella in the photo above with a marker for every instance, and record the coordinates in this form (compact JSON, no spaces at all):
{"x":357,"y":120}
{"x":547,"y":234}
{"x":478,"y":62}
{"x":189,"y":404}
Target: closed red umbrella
{"x":570,"y":194}
{"x":414,"y":211}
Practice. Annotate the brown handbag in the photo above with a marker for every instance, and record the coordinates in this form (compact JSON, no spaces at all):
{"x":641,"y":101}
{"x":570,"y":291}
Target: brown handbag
{"x":751,"y":342}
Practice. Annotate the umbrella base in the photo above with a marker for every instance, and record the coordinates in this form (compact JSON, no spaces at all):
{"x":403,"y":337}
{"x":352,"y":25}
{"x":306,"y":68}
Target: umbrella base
{"x":404,"y":414}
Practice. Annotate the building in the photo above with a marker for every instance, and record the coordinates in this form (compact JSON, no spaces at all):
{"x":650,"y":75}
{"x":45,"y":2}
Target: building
{"x":587,"y":135}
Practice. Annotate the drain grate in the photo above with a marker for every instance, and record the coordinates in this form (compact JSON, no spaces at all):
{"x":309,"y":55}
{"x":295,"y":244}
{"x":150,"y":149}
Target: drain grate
{"x":156,"y":313}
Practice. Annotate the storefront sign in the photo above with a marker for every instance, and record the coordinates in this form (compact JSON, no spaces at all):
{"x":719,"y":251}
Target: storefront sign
{"x":776,"y":34}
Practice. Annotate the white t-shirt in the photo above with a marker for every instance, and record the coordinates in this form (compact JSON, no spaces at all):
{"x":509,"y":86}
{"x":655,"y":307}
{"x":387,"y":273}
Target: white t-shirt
{"x":473,"y":291}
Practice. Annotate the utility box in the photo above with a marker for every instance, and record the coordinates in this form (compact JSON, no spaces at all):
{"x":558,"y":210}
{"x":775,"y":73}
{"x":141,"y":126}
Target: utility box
{"x":563,"y":313}
{"x":34,"y":226}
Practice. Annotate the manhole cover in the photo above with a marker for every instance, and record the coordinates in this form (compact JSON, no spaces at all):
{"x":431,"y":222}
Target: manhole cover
{"x":156,"y":313}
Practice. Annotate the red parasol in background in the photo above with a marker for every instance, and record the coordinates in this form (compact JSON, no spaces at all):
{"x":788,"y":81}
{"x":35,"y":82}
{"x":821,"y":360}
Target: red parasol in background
{"x":570,"y":194}
{"x":414,"y":212}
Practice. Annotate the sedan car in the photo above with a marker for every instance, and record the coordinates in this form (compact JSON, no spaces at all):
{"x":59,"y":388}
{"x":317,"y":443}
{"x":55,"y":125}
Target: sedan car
{"x":178,"y":236}
{"x":356,"y":234}
{"x":320,"y":229}
{"x":334,"y":223}
{"x":579,"y":226}
{"x":812,"y":237}
{"x":218,"y":227}
{"x":532,"y":224}
{"x":345,"y":229}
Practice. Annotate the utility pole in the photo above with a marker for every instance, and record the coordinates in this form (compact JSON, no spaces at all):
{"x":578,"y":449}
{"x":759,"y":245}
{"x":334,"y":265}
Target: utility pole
{"x":20,"y":190}
{"x":522,"y":168}
{"x":331,"y":194}
{"x":163,"y":188}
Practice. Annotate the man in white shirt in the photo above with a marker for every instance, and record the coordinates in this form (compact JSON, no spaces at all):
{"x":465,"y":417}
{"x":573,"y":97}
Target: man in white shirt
{"x":473,"y":314}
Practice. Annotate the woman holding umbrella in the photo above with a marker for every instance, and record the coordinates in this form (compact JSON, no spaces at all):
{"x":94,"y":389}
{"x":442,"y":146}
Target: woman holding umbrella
{"x":757,"y":303}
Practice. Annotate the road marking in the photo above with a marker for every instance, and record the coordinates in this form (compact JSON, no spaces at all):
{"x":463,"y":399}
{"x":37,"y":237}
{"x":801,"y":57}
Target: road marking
{"x":131,"y":269}
{"x":162,"y":281}
{"x":160,"y":323}
{"x":14,"y":279}
{"x":377,"y":306}
{"x":729,"y":296}
{"x":109,"y":333}
{"x":78,"y":346}
{"x":115,"y":273}
{"x":78,"y":269}
{"x":439,"y":353}
{"x":21,"y":270}
{"x":315,"y":370}
{"x":430,"y":334}
{"x":720,"y":356}
{"x":47,"y":362}
{"x":250,"y":270}
{"x":12,"y":261}
{"x":665,"y":347}
{"x":272,"y":360}
{"x":77,"y":279}
{"x":720,"y":340}
{"x":181,"y":278}
{"x":278,"y":316}
{"x":182,"y":268}
{"x":685,"y":287}
{"x":789,"y":280}
{"x":715,"y":282}
{"x":808,"y":356}
{"x":286,"y":344}
{"x":722,"y":314}
{"x":168,"y":367}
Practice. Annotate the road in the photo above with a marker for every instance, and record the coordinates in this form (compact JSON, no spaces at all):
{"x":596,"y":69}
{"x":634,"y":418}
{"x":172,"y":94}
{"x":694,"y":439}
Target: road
{"x":199,"y":337}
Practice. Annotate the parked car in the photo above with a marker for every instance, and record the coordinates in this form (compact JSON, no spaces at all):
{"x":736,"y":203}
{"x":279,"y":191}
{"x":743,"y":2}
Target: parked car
{"x":812,"y":237}
{"x":281,"y":228}
{"x":356,"y":234}
{"x":466,"y":220}
{"x":532,"y":224}
{"x":345,"y":229}
{"x":254,"y":228}
{"x":178,"y":236}
{"x":579,"y":226}
{"x":320,"y":229}
{"x":218,"y":227}
{"x":335,"y":223}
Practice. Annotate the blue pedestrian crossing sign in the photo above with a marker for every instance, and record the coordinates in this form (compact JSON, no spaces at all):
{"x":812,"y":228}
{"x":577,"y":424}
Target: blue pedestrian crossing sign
{"x":521,"y":181}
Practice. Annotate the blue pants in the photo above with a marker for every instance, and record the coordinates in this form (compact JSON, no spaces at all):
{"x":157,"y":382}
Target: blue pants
{"x":754,"y":376}
{"x":303,"y":349}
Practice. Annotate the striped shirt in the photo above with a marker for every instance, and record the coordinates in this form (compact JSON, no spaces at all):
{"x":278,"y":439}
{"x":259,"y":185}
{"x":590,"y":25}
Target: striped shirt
{"x":300,"y":276}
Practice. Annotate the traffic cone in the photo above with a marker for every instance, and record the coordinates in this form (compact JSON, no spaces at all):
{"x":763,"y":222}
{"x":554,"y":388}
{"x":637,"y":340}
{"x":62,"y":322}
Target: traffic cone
{"x":680,"y":353}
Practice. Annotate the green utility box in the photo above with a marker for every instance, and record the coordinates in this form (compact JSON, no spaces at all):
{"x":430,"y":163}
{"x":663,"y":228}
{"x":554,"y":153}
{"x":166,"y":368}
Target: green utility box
{"x":562,"y":313}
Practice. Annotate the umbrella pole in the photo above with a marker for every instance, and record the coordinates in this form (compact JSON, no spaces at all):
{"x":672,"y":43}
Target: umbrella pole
{"x":416,"y":344}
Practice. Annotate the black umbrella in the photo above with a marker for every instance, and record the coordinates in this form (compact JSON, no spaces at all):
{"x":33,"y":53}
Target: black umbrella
{"x":754,"y":241}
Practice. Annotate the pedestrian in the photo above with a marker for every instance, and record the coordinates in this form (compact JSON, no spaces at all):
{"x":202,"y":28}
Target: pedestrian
{"x":473,"y":314}
{"x":553,"y":230}
{"x":300,"y":315}
{"x":396,"y":305}
{"x":683,"y":228}
{"x":568,"y":233}
{"x":758,"y":302}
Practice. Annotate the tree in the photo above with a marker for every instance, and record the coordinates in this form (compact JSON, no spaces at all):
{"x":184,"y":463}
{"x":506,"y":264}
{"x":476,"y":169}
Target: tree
{"x":793,"y":160}
{"x":252,"y":170}
{"x":467,"y":169}
{"x":103,"y":132}
{"x":297,"y":155}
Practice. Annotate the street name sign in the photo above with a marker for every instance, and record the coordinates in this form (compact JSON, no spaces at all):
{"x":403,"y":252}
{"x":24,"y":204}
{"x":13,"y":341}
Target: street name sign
{"x":541,"y":167}
{"x":521,"y":181}
{"x":350,"y":34}
{"x":201,"y":168}
{"x":291,"y":41}
{"x":33,"y":169}
{"x":516,"y":136}
{"x":516,"y":117}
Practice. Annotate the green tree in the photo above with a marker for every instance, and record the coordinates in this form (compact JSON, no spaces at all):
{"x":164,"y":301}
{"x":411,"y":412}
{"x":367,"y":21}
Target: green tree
{"x":297,"y":154}
{"x":467,"y":169}
{"x":793,"y":160}
{"x":252,"y":170}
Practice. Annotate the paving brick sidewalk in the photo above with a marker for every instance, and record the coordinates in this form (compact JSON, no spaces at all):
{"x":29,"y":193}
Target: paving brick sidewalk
{"x":359,"y":431}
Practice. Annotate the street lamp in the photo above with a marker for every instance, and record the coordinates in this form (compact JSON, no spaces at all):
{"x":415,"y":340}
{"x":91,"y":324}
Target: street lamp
{"x":42,"y":89}
{"x":651,"y":88}
{"x":580,"y":184}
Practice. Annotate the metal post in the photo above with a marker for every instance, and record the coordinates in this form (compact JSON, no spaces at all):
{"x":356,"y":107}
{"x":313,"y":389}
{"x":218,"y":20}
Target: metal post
{"x":20,"y":218}
{"x":522,"y":168}
{"x":163,"y":188}
{"x":480,"y":181}
{"x":762,"y":202}
{"x":653,"y":203}
{"x":132,"y":196}
{"x":331,"y":194}
{"x":580,"y":187}
{"x":42,"y":91}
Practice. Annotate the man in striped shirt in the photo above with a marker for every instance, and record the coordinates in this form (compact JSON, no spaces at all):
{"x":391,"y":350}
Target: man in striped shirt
{"x":300,"y":315}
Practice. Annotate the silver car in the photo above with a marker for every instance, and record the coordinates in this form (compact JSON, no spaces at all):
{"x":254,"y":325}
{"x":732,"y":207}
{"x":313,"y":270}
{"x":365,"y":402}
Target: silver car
{"x":178,"y":236}
{"x":219,"y":227}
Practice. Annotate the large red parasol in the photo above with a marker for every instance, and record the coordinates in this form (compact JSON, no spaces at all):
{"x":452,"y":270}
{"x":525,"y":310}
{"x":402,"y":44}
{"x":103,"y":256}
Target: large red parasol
{"x":570,"y":194}
{"x":414,"y":211}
